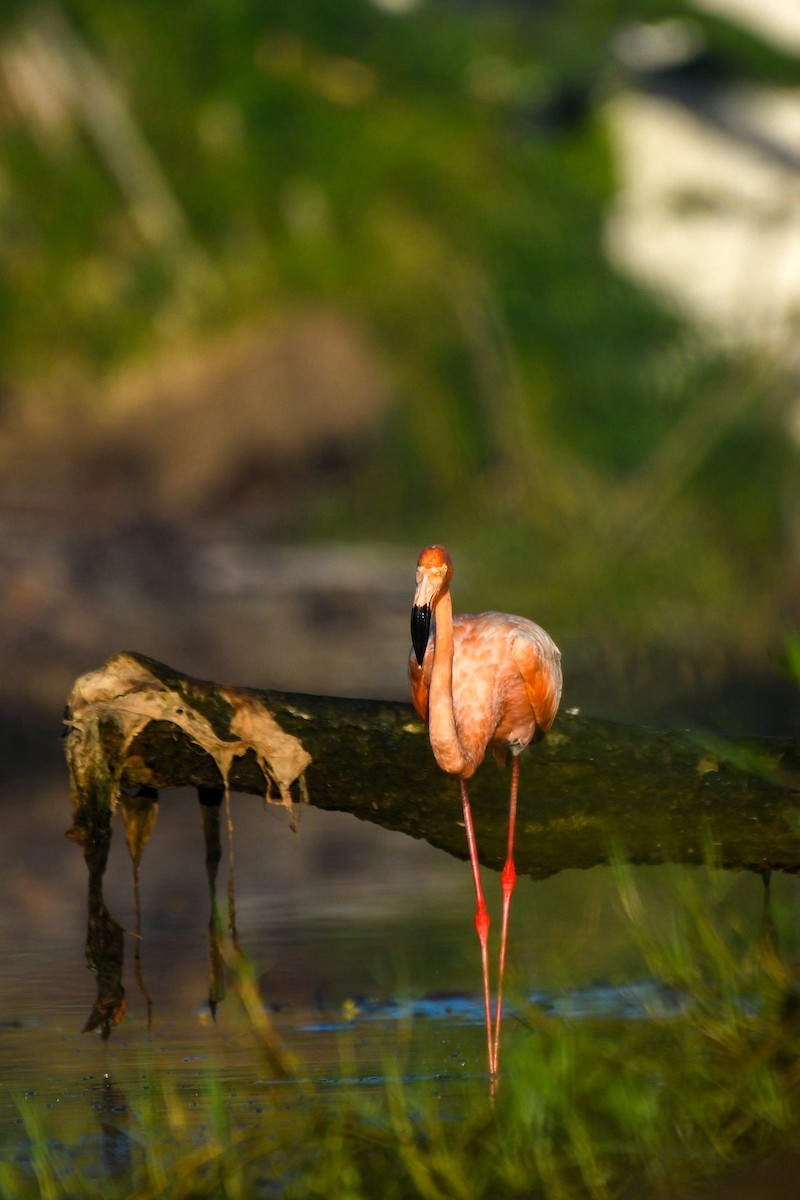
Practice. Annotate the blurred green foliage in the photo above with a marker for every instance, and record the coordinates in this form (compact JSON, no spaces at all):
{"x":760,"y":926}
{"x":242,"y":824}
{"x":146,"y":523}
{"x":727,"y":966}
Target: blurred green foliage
{"x":443,"y":174}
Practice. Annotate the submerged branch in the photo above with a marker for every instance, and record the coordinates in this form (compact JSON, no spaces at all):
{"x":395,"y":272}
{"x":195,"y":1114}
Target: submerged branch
{"x":591,"y":787}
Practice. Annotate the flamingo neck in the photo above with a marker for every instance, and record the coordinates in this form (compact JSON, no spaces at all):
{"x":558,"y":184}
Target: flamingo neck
{"x":442,"y":730}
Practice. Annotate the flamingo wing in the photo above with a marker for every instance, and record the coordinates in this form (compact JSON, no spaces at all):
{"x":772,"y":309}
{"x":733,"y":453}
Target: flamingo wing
{"x":539,"y":662}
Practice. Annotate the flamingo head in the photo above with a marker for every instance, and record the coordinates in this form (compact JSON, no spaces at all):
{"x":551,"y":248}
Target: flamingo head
{"x":434,"y":572}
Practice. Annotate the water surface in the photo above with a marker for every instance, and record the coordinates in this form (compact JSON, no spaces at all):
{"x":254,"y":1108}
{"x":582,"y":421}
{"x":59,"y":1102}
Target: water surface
{"x":362,"y":941}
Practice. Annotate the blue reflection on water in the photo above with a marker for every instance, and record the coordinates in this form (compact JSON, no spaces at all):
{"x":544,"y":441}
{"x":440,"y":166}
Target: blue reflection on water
{"x":645,"y":1000}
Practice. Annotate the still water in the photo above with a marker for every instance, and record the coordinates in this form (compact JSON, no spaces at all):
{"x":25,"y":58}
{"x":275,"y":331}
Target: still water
{"x":362,"y":940}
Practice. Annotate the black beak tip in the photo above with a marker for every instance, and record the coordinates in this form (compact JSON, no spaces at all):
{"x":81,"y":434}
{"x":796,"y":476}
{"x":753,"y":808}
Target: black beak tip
{"x":420,"y":629}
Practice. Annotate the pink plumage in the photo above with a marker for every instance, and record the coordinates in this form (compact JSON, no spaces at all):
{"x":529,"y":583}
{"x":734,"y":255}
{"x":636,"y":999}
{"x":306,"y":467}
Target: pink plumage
{"x":506,"y":682}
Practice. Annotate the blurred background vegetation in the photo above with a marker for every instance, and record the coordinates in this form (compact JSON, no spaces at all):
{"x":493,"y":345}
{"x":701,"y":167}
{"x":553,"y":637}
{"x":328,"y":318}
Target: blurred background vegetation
{"x":373,"y":238}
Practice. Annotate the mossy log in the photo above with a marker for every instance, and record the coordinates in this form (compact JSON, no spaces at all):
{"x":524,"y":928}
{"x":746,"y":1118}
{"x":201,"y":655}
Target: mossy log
{"x":590,"y":787}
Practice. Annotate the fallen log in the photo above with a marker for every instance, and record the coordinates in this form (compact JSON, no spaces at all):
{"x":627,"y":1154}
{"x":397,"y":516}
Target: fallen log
{"x":590,"y":786}
{"x":590,"y":789}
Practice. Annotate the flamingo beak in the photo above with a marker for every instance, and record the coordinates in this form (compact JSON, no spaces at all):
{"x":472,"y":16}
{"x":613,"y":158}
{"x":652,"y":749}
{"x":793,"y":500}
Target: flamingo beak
{"x":420,"y":629}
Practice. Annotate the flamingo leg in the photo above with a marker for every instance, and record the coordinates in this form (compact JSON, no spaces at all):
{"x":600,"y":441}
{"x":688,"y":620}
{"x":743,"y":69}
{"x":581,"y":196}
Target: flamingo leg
{"x":507,"y":880}
{"x":481,"y":921}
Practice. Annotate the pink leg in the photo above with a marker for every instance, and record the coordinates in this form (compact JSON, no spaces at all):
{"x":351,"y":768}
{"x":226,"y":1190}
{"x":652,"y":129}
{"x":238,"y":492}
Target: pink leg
{"x":481,"y":920}
{"x":507,"y":879}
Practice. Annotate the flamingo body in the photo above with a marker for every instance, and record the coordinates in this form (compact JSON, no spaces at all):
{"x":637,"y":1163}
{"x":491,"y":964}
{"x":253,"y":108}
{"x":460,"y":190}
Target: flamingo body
{"x":490,"y":681}
{"x":506,"y":684}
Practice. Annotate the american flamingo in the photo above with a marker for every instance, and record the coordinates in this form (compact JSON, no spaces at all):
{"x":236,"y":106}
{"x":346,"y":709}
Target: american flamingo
{"x":491,"y":681}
